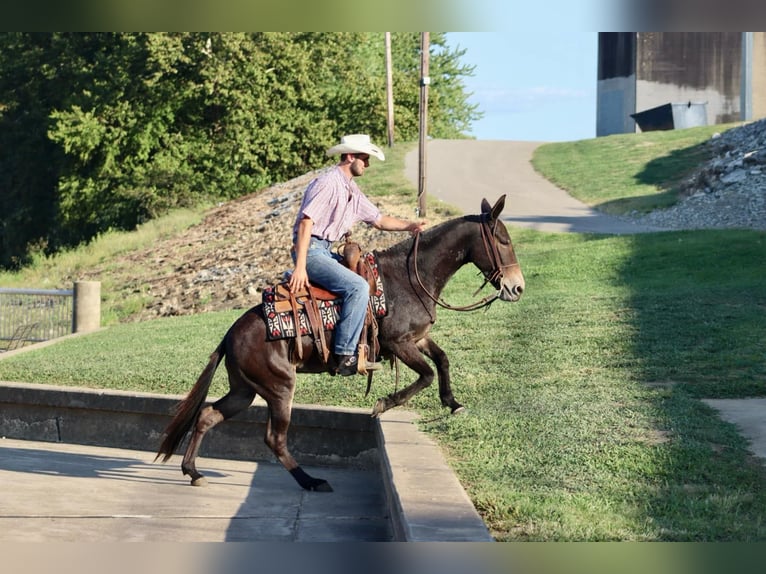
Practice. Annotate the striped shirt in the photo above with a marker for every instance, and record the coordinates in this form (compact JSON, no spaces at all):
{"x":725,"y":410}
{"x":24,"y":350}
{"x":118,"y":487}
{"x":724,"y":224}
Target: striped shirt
{"x":335,"y":205}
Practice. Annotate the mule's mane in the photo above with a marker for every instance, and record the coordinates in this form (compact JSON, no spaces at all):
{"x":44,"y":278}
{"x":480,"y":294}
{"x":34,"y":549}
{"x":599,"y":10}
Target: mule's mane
{"x":440,"y":231}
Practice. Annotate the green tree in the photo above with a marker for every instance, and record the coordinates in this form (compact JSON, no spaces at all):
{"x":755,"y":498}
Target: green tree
{"x":107,"y":130}
{"x":351,"y":73}
{"x":28,"y":159}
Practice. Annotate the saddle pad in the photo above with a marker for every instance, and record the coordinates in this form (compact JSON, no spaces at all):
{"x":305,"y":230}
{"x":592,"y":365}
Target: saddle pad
{"x":281,"y":325}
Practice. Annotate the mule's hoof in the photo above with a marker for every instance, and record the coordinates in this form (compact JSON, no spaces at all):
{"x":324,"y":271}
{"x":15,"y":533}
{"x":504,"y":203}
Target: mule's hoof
{"x":199,"y":481}
{"x":321,"y":486}
{"x":381,"y":406}
{"x":459,"y":409}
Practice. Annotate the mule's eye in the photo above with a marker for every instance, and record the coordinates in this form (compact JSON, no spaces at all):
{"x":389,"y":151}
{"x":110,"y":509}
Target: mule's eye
{"x":503,"y":240}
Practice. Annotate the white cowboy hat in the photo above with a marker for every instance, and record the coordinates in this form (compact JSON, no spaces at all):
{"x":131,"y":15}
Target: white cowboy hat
{"x":357,"y":143}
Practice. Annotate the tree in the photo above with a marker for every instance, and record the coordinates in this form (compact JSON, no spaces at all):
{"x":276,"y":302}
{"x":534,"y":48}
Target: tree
{"x":29,"y":160}
{"x":107,"y":130}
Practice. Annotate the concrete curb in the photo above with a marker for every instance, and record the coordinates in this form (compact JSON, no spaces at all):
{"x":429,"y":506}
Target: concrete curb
{"x":425,"y":500}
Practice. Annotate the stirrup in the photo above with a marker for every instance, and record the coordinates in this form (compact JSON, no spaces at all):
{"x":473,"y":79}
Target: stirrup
{"x":363,"y":350}
{"x":376,"y":366}
{"x":350,"y":365}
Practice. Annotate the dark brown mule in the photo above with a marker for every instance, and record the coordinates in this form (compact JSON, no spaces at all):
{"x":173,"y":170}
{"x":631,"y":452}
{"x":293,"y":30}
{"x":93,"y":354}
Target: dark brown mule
{"x":413,"y":272}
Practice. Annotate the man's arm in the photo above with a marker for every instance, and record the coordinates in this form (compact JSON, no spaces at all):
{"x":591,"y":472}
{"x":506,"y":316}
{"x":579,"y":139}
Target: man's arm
{"x":389,"y":223}
{"x":299,"y":280}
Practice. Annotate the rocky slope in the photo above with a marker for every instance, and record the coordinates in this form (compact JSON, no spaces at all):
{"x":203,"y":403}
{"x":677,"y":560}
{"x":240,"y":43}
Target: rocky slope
{"x":729,"y":191}
{"x":239,"y":248}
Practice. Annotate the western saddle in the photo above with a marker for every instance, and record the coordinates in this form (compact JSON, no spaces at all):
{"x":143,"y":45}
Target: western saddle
{"x":285,"y":300}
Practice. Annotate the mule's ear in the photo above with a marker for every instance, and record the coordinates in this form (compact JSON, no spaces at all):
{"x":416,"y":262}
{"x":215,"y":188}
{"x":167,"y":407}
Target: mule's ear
{"x":485,"y":207}
{"x":498,"y":207}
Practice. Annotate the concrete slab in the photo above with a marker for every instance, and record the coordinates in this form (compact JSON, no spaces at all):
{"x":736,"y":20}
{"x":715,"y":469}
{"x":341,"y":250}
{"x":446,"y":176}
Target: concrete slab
{"x":391,"y":481}
{"x":76,"y":493}
{"x":749,"y":415}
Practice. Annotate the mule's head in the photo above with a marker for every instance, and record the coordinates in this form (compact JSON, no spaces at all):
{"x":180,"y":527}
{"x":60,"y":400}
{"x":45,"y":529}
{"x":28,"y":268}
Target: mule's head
{"x":496,"y":257}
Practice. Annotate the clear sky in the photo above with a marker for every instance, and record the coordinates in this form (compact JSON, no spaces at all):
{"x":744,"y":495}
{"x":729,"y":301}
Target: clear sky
{"x":532,"y":84}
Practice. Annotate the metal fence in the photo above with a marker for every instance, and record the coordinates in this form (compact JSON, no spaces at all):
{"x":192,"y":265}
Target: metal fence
{"x":34,"y":315}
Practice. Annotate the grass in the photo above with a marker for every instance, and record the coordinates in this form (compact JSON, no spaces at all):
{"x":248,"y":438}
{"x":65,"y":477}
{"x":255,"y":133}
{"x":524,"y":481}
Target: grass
{"x":569,"y":437}
{"x":119,"y":301}
{"x":573,"y":430}
{"x":626,"y":172}
{"x":387,"y":177}
{"x":583,"y":416}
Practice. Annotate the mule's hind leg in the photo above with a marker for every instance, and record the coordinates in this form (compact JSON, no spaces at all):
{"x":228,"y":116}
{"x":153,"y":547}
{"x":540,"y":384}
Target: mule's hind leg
{"x":209,"y":416}
{"x":439,"y":357}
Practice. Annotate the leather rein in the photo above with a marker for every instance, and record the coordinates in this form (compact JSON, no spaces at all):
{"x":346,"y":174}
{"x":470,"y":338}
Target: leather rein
{"x":490,"y":248}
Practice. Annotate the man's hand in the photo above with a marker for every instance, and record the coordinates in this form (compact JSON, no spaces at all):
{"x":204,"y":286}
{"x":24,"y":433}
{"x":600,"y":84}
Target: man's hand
{"x":416,"y":227}
{"x":299,"y":280}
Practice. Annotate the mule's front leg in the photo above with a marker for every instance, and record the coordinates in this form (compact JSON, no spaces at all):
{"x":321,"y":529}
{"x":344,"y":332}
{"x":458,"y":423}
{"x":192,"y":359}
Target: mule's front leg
{"x":439,"y":357}
{"x":410,"y":355}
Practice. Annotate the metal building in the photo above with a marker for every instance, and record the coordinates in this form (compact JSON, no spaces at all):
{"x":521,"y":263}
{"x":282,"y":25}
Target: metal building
{"x":690,"y":78}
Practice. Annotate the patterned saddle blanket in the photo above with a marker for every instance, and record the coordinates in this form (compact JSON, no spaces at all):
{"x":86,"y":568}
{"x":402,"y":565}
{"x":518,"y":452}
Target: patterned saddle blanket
{"x":280,"y":318}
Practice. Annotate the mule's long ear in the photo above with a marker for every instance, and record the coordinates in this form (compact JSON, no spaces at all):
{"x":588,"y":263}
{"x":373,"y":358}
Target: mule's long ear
{"x":498,"y":207}
{"x":485,"y":206}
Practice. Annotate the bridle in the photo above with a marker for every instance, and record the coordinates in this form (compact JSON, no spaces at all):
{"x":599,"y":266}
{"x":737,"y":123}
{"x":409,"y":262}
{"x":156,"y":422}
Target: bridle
{"x":496,"y":273}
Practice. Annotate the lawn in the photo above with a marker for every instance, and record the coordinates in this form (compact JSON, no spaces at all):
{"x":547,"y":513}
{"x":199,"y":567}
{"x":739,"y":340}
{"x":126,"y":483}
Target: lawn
{"x":583,"y":418}
{"x":626,"y":172}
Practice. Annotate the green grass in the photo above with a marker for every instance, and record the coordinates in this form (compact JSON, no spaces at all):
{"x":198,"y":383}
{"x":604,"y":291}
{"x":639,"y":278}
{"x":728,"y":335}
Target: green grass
{"x":582,"y":420}
{"x":385,"y":178}
{"x":119,"y":301}
{"x":626,"y":172}
{"x":583,"y":416}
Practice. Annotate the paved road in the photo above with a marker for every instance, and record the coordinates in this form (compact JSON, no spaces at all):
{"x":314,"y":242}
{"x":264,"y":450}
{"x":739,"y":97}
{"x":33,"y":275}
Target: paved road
{"x":462,"y":172}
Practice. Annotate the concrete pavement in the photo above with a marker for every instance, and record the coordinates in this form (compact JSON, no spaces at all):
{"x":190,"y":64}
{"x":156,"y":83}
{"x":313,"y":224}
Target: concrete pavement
{"x":77,"y":493}
{"x":76,"y":464}
{"x":749,"y":416}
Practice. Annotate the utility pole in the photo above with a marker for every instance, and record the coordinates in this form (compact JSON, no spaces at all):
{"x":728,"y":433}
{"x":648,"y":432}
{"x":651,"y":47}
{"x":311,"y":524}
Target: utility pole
{"x":389,"y":91}
{"x":425,"y":80}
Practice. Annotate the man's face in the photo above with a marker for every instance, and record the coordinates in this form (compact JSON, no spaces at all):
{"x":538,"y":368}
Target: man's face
{"x":361,"y":161}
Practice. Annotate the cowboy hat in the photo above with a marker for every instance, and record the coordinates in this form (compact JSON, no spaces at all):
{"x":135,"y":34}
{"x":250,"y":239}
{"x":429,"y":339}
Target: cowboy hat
{"x":357,"y":143}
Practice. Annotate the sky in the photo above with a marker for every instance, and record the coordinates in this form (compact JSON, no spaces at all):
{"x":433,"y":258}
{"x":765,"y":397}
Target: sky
{"x":532,"y":84}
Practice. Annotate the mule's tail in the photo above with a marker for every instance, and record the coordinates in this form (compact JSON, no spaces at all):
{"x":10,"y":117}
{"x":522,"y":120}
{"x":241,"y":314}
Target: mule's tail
{"x":189,"y":408}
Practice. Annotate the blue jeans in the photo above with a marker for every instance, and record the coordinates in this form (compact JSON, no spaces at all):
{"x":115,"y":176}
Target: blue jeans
{"x":324,"y":268}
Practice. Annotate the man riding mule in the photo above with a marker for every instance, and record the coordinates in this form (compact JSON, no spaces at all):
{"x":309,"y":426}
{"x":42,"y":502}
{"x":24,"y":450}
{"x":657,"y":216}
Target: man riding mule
{"x":413,"y":273}
{"x":331,"y":205}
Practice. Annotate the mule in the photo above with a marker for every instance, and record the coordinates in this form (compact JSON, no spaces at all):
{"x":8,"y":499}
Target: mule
{"x":413,"y":273}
